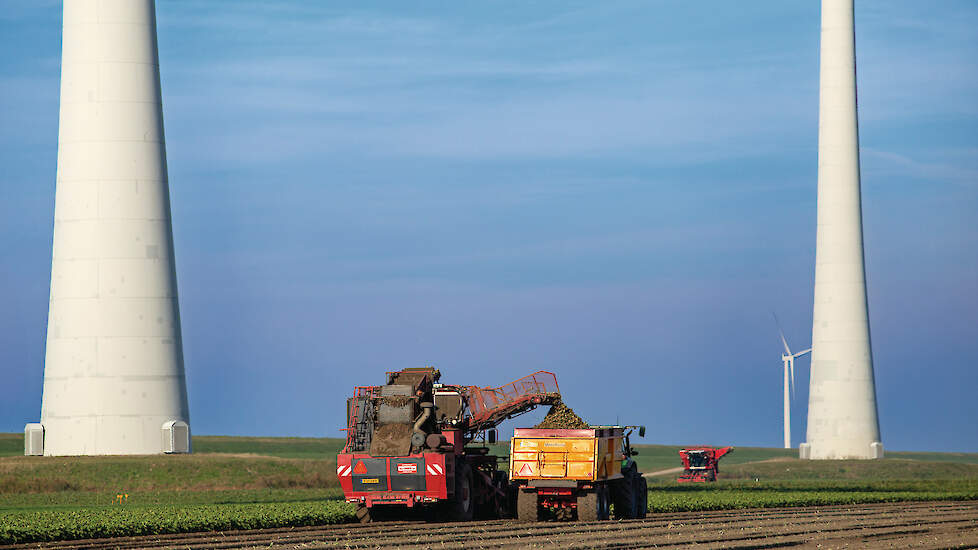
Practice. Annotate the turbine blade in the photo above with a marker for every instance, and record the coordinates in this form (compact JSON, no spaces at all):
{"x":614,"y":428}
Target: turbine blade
{"x":781,"y":332}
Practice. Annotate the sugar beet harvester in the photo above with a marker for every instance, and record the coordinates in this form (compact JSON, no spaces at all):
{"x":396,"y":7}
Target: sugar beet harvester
{"x":407,"y":444}
{"x":701,"y":463}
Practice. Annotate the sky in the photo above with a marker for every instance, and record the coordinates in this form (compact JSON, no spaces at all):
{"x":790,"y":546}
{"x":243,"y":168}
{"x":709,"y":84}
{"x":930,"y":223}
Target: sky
{"x":618,"y":192}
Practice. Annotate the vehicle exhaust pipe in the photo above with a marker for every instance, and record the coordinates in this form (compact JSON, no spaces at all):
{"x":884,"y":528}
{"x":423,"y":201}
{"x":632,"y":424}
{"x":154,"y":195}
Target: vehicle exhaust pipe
{"x":419,"y":435}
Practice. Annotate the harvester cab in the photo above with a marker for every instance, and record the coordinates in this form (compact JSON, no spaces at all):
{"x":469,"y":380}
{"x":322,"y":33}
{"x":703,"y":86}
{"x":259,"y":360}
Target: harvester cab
{"x":701,"y":463}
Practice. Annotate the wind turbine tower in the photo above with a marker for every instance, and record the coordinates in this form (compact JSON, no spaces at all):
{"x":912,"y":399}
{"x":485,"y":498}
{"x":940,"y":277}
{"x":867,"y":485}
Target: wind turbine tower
{"x":842,"y":414}
{"x":113,"y":374}
{"x":788,"y":359}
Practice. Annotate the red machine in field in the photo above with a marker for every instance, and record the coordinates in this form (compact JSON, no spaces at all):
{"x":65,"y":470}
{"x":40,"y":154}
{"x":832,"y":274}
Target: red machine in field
{"x":701,"y":463}
{"x":408,"y":444}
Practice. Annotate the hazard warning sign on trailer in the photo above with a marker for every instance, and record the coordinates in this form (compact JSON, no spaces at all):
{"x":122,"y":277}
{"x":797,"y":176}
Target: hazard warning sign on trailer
{"x":525,"y":470}
{"x":407,"y":468}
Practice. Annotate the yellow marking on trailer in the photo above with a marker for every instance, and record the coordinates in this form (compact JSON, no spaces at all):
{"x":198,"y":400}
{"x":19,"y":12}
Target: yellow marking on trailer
{"x":370,"y":480}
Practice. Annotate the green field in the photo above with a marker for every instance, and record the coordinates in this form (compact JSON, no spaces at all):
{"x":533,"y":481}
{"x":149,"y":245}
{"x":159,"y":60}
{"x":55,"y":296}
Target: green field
{"x":249,"y":482}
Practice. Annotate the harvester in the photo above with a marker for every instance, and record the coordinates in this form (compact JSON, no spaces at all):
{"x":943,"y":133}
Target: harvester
{"x":701,"y":463}
{"x":408,"y":445}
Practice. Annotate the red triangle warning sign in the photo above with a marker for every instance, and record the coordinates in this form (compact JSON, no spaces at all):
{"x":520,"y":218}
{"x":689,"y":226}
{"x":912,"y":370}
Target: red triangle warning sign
{"x":360,"y":468}
{"x":526,"y":470}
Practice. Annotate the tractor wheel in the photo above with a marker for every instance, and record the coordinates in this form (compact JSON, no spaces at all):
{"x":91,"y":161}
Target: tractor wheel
{"x":527,"y":506}
{"x":512,"y":496}
{"x":641,"y":496}
{"x":623,"y":496}
{"x":604,"y":501}
{"x":497,"y":506}
{"x":461,"y":508}
{"x":587,"y":506}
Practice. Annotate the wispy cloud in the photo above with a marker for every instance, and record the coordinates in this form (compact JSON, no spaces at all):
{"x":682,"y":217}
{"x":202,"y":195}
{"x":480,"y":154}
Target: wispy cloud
{"x":309,"y":19}
{"x":917,"y":60}
{"x":959,"y":167}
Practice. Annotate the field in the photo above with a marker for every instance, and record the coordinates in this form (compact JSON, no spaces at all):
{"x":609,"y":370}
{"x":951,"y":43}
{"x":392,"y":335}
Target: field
{"x":249,"y":483}
{"x":930,"y":525}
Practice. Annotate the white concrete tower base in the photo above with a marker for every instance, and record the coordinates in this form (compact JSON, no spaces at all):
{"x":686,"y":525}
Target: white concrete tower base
{"x":842,"y":417}
{"x":113,"y":373}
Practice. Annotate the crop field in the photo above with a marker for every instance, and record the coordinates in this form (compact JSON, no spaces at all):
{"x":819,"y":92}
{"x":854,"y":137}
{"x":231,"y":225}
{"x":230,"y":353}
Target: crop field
{"x":931,"y":525}
{"x":235,"y":483}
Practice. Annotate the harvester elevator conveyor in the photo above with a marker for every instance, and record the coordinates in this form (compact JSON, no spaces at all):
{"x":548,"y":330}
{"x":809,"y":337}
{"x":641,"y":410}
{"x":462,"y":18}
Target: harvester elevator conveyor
{"x":491,"y":406}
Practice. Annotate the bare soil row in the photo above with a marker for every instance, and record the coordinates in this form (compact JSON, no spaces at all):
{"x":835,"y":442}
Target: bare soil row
{"x":891,"y":525}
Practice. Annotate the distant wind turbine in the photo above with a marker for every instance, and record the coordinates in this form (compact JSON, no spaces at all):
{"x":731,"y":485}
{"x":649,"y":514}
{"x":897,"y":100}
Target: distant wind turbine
{"x":788,"y":359}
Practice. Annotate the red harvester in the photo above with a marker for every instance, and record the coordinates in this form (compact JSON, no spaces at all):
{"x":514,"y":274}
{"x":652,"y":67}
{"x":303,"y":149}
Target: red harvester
{"x":701,"y":463}
{"x":408,"y":445}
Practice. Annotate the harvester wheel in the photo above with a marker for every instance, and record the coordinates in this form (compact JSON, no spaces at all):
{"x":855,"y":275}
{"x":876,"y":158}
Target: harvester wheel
{"x":363,"y":514}
{"x":587,"y":506}
{"x":642,"y":498}
{"x":371,"y":515}
{"x":527,"y":507}
{"x":463,"y":505}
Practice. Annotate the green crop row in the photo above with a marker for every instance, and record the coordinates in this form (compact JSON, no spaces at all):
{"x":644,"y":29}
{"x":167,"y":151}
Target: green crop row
{"x":29,"y":526}
{"x":695,"y":501}
{"x":73,"y":500}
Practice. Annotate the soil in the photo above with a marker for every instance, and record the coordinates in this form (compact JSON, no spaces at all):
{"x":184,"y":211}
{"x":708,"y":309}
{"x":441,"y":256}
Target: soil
{"x":396,"y":401}
{"x":562,"y":417}
{"x":391,"y":440}
{"x":870,"y":526}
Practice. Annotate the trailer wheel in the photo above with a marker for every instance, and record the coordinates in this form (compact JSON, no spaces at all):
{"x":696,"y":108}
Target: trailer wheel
{"x":642,"y":498}
{"x":463,"y":505}
{"x":587,"y":506}
{"x":527,"y":507}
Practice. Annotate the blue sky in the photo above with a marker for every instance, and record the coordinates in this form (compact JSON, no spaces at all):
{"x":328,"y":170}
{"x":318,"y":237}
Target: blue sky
{"x":618,"y":192}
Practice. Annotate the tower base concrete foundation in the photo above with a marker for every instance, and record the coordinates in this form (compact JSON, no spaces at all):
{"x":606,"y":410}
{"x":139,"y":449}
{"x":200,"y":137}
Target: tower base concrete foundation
{"x":841,"y":450}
